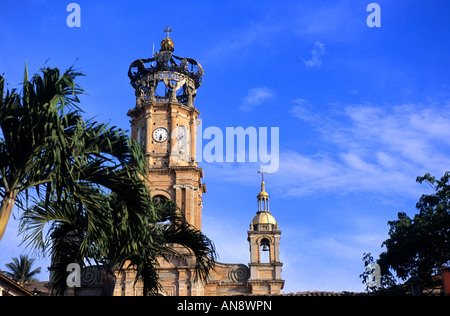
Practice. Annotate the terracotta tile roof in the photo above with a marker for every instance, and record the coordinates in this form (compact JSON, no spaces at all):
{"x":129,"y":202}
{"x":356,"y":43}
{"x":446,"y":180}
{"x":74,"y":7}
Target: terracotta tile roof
{"x":39,"y":288}
{"x":8,"y":282}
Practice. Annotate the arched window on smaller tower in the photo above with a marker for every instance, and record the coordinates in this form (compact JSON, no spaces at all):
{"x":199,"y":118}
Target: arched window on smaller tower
{"x":264,"y":251}
{"x":263,"y":204}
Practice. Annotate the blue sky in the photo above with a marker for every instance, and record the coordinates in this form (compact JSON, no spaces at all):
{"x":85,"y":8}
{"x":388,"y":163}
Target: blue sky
{"x":361,"y":111}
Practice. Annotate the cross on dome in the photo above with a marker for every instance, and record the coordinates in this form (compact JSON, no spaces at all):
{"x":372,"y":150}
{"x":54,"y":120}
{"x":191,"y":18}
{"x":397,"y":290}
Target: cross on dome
{"x":262,"y":172}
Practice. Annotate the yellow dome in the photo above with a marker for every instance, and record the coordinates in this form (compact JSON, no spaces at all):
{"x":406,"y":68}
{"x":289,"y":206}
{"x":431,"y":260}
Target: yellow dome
{"x":264,"y":218}
{"x":263,"y":193}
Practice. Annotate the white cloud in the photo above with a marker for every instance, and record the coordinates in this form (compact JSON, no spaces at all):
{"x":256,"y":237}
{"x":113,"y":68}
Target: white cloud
{"x":235,"y":42}
{"x":336,"y":20}
{"x":370,"y":149}
{"x":255,"y":97}
{"x":301,"y":110}
{"x":316,"y":55}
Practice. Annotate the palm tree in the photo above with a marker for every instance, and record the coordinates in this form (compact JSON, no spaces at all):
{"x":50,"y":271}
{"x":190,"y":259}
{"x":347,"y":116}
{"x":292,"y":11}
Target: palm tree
{"x":45,"y":141}
{"x":34,"y":128}
{"x":21,"y":270}
{"x":91,"y":199}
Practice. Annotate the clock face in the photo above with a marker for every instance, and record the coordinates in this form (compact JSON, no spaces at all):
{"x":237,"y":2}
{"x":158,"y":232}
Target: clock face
{"x":160,"y":134}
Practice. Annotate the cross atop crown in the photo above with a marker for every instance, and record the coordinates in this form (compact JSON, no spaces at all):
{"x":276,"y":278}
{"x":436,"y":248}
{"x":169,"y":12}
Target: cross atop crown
{"x":168,"y":30}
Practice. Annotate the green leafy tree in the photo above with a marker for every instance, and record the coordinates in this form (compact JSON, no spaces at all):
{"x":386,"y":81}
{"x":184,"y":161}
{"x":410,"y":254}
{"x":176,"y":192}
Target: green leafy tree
{"x":21,"y":271}
{"x":421,"y":243}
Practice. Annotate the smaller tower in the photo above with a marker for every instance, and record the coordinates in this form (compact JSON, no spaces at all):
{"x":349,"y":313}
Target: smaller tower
{"x":264,"y":236}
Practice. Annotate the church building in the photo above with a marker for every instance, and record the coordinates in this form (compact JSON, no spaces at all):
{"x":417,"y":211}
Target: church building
{"x":165,"y":122}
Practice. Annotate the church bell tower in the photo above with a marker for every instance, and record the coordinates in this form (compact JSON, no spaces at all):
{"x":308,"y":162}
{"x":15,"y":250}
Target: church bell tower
{"x":165,"y":121}
{"x":264,"y":238}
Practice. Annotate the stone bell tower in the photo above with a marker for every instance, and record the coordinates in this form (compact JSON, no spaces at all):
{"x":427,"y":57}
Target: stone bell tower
{"x":264,"y":237}
{"x":165,"y":121}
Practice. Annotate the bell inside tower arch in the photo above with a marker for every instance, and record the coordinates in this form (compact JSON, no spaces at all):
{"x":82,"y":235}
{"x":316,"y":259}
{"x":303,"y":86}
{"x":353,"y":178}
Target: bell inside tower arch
{"x":265,"y":247}
{"x":265,"y":251}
